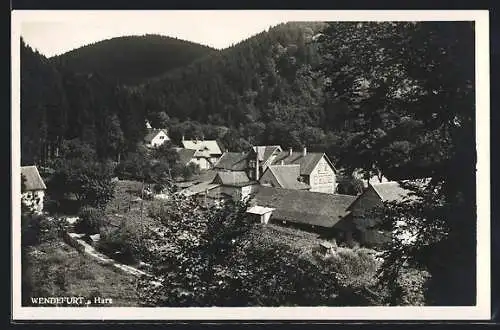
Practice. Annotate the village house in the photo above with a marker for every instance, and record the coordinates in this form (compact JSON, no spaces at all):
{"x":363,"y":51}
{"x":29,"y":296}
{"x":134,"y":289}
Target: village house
{"x":155,"y":137}
{"x":234,"y":161}
{"x":284,"y":176}
{"x":34,"y":189}
{"x":186,"y":156}
{"x":316,"y":170}
{"x":359,"y":213}
{"x":262,"y":156}
{"x":235,"y":185}
{"x":272,"y":166}
{"x":310,"y":211}
{"x":207,"y":152}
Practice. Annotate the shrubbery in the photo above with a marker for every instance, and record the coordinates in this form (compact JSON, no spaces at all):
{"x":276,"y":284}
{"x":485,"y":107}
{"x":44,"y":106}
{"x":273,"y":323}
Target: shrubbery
{"x":120,"y":244}
{"x":36,"y":229}
{"x":355,"y":271}
{"x":90,"y":220}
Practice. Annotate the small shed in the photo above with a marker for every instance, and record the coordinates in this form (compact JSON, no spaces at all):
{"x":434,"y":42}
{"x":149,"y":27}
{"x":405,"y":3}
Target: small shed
{"x":264,"y":213}
{"x":327,"y":247}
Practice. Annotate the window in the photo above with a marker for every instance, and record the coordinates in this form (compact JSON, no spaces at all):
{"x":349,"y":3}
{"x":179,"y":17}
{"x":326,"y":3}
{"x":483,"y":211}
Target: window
{"x":162,"y":137}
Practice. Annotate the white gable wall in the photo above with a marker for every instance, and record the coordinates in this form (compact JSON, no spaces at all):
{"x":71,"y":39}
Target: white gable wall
{"x":159,"y":139}
{"x":322,"y":178}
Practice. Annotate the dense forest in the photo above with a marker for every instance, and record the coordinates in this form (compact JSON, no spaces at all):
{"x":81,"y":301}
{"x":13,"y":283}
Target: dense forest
{"x":131,"y":60}
{"x":262,"y":90}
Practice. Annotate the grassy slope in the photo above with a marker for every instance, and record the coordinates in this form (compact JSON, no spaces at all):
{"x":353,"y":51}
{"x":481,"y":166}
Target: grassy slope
{"x":57,"y":269}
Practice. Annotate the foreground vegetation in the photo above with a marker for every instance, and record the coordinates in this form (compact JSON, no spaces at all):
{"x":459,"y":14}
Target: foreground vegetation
{"x":51,"y":268}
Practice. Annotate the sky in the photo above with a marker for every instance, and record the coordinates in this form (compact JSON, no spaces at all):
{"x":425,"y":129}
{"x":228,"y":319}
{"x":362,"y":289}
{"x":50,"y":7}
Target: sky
{"x":58,"y":31}
{"x":218,"y":29}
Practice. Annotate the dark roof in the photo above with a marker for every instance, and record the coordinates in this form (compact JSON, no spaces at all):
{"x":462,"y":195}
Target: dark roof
{"x":232,"y":178}
{"x":152,"y":132}
{"x":232,"y":161}
{"x":305,"y":207}
{"x":287,"y":176}
{"x":33,"y":179}
{"x":392,"y":191}
{"x":185,"y":155}
{"x":205,"y":176}
{"x":307,"y":163}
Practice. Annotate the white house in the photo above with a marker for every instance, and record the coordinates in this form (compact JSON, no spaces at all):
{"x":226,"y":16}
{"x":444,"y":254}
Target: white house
{"x":155,"y":136}
{"x":34,"y":190}
{"x":207,"y":153}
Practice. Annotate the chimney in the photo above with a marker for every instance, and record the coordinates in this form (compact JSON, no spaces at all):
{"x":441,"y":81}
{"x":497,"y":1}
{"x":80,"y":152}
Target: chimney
{"x":304,"y":152}
{"x":257,"y":174}
{"x":290,"y":151}
{"x":282,"y":162}
{"x":182,"y":137}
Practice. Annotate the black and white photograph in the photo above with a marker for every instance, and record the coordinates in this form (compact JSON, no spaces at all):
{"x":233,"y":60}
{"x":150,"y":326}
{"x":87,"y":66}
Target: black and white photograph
{"x":250,"y":164}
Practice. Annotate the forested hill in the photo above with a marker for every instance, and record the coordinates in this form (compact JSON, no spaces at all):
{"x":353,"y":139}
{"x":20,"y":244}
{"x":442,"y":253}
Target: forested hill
{"x":132,"y":60}
{"x":264,"y":82}
{"x":263,"y":89}
{"x":58,"y":104}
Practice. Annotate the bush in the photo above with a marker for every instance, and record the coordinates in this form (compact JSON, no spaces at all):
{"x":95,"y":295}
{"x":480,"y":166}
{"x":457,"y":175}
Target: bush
{"x":120,"y":244}
{"x":348,"y":185}
{"x":354,"y":268}
{"x":90,"y":220}
{"x":30,"y":229}
{"x":412,"y":284}
{"x":36,"y":229}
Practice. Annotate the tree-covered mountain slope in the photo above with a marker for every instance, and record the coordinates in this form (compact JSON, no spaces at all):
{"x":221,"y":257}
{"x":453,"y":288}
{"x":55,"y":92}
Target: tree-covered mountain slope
{"x":133,"y":59}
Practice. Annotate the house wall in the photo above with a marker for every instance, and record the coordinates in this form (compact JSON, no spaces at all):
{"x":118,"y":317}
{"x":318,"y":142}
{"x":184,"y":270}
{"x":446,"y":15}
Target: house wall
{"x":322,"y":178}
{"x":203,"y":163}
{"x":300,"y":226}
{"x":34,"y":200}
{"x":238,"y":193}
{"x":363,"y":220}
{"x":265,"y":217}
{"x":159,"y":139}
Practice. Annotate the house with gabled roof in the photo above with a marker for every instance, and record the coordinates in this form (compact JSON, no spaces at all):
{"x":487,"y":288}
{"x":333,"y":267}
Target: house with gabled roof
{"x":283,"y":176}
{"x":207,"y":152}
{"x":363,"y":222}
{"x":34,"y":188}
{"x":186,"y":156}
{"x":263,"y":156}
{"x":234,"y":185}
{"x":310,"y":211}
{"x":233,"y":161}
{"x":155,"y":137}
{"x":316,"y":169}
